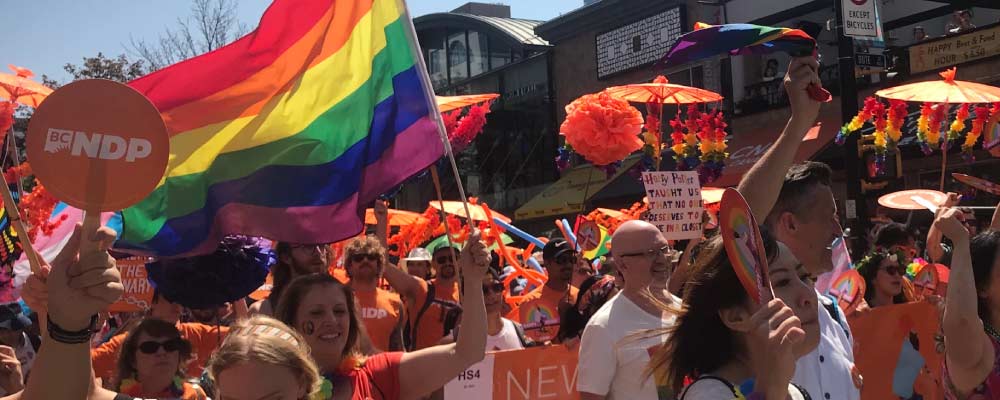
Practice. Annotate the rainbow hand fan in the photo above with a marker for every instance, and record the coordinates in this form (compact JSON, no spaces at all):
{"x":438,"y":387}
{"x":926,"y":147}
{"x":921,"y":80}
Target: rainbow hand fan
{"x":849,"y":289}
{"x":744,"y":246}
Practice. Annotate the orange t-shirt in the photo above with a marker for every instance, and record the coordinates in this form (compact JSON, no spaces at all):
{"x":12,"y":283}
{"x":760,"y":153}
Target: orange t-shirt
{"x":539,"y":313}
{"x":445,"y":292}
{"x":204,"y":340}
{"x":430,"y":327}
{"x":380,"y":310}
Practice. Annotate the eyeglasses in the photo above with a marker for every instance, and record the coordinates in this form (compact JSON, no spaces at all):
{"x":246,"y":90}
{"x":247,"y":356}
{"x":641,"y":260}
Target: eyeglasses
{"x":170,"y":346}
{"x":495,"y":287}
{"x":361,"y":257}
{"x":445,"y":260}
{"x":893,"y":270}
{"x":652,"y":253}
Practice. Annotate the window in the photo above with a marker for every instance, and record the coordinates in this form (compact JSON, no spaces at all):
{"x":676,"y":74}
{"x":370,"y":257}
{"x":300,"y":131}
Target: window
{"x":458,"y":57}
{"x":434,"y":56}
{"x":500,"y":54}
{"x":478,"y":61}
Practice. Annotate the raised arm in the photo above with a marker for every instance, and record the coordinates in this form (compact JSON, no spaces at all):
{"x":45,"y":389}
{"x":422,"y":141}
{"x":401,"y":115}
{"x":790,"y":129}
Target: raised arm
{"x":761,"y":185}
{"x":423,"y":371}
{"x":405,"y":284}
{"x":79,"y":285}
{"x":934,"y":249}
{"x":969,"y":353}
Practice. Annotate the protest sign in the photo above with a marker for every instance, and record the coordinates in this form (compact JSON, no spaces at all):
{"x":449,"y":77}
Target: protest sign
{"x":531,"y":374}
{"x":98,"y":145}
{"x":674,"y":203}
{"x":138,"y":292}
{"x":899,"y":351}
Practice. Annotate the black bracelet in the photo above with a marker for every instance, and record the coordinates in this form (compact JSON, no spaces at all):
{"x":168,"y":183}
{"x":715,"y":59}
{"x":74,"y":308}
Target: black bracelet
{"x":61,"y":335}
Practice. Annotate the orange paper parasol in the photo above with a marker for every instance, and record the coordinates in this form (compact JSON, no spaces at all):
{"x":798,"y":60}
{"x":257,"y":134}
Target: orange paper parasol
{"x":449,"y":103}
{"x":978,"y":183}
{"x":907,"y":199}
{"x":396,"y":217}
{"x":710,"y":195}
{"x":457,"y":208}
{"x":19,"y":87}
{"x":663,"y":93}
{"x":947,"y":90}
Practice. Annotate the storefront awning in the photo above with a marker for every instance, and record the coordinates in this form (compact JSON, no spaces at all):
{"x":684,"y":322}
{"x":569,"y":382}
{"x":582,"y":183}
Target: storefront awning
{"x":749,"y":145}
{"x":569,"y":193}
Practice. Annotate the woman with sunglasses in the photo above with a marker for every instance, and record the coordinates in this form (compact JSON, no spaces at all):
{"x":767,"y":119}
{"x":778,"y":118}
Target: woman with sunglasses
{"x":883,"y":273}
{"x":151,"y":363}
{"x":501,"y":333}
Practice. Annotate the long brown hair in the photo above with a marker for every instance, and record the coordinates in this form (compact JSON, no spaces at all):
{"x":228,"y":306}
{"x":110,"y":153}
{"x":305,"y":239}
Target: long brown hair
{"x":700,"y":342}
{"x":151,"y":327}
{"x":291,"y":300}
{"x":282,"y":272}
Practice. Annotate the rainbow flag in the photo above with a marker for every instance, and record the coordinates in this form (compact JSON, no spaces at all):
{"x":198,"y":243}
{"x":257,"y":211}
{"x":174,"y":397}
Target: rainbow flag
{"x":289,"y":131}
{"x":736,"y":39}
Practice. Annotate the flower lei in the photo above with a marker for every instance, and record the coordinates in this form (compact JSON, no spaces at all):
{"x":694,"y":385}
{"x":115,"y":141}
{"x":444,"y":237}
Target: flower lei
{"x":895,"y":256}
{"x":864,"y":115}
{"x":133,"y":387}
{"x":958,"y":125}
{"x":713,"y":146}
{"x":36,"y":206}
{"x":325,"y":391}
{"x":653,"y":136}
{"x":881,"y":141}
{"x":934,"y":130}
{"x":982,"y":115}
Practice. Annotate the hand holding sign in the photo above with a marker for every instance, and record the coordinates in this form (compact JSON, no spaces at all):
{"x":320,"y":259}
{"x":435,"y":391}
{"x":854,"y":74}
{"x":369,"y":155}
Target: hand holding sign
{"x":744,"y":246}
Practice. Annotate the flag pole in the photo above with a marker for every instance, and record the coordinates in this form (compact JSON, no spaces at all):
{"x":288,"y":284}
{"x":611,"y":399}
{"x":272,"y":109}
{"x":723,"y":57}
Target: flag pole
{"x":411,"y":35}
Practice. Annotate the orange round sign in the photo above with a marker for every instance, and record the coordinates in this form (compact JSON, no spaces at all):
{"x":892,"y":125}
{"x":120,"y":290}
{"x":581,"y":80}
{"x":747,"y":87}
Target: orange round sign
{"x":98,"y":145}
{"x":903,"y":200}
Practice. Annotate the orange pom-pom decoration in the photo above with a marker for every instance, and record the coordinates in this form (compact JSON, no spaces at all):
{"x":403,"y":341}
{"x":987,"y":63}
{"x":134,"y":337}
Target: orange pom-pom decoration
{"x":601,"y":128}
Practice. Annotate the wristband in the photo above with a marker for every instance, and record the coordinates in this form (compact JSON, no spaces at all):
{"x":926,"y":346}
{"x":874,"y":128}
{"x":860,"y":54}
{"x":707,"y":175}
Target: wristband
{"x":61,"y":335}
{"x":756,"y":396}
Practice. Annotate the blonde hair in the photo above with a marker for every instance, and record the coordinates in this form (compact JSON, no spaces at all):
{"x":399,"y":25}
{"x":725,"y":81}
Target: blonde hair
{"x":265,"y":340}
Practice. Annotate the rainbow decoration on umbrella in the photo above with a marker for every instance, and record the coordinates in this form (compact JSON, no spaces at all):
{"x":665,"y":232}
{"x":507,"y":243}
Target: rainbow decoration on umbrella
{"x":849,"y":290}
{"x":744,"y":246}
{"x":289,"y":131}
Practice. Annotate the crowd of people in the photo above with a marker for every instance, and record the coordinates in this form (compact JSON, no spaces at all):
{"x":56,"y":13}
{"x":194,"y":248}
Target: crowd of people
{"x":657,"y":321}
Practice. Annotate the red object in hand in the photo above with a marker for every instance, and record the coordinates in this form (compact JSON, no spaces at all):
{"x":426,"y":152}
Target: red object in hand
{"x":818,"y":93}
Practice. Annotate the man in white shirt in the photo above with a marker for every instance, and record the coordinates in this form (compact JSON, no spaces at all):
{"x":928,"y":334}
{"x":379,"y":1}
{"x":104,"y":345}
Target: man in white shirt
{"x":796,"y":204}
{"x":612,"y":363}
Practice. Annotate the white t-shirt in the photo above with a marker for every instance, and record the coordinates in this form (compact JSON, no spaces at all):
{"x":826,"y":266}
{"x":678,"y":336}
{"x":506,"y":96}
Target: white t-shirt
{"x":612,"y":363}
{"x":716,"y":389}
{"x":505,"y":340}
{"x":827,"y":371}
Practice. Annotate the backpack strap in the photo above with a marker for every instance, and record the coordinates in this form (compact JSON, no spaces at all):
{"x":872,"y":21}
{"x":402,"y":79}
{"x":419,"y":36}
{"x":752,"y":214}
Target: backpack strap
{"x":412,"y":334}
{"x":709,"y":378}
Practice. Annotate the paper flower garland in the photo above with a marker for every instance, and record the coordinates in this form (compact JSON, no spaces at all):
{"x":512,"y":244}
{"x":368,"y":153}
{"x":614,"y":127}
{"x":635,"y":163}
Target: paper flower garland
{"x":713,"y":146}
{"x":601,"y":128}
{"x":461,"y":131}
{"x":36,"y":206}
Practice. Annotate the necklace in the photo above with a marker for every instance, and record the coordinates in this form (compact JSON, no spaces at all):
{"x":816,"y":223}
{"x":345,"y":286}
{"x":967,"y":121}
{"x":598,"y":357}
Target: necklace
{"x":991,"y":331}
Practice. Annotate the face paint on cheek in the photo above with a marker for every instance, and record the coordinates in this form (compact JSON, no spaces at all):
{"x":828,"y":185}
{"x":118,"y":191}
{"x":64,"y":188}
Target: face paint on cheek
{"x":308,"y":328}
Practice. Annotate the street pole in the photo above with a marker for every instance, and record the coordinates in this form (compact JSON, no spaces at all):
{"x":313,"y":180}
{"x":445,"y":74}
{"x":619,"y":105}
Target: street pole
{"x":855,"y":204}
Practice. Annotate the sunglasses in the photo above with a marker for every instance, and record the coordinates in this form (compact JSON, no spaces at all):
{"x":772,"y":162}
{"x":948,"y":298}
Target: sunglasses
{"x":570,"y":258}
{"x":496,"y":287}
{"x":170,"y":346}
{"x":893,"y":270}
{"x":362,"y":257}
{"x":653,"y":253}
{"x":445,"y":260}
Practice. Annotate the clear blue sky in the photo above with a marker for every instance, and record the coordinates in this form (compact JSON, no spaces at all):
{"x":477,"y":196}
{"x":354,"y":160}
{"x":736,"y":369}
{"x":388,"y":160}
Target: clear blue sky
{"x":43,"y":35}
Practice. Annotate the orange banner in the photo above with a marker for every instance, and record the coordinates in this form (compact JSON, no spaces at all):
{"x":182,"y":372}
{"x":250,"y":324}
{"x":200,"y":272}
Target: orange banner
{"x":138,"y":292}
{"x":532,"y":374}
{"x":899,"y":351}
{"x":536,"y":373}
